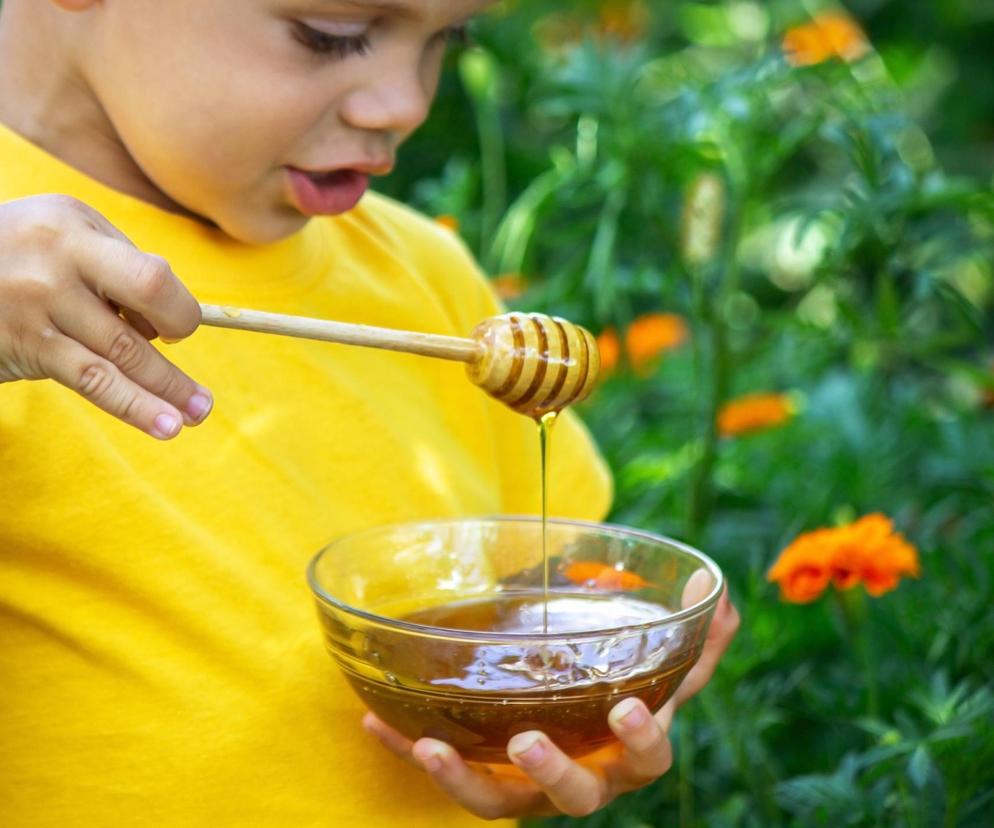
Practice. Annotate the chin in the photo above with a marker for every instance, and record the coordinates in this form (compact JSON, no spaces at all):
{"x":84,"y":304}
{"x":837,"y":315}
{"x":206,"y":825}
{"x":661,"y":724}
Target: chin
{"x":263,"y":229}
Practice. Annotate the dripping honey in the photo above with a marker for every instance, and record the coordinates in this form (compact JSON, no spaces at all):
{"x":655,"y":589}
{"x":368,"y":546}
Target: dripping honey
{"x":545,"y":424}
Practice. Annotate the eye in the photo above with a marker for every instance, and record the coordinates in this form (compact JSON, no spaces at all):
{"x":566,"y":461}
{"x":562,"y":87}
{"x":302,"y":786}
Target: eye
{"x":457,"y":35}
{"x":335,"y":46}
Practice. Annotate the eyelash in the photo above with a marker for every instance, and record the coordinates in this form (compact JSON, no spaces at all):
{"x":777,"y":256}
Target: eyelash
{"x":339,"y":47}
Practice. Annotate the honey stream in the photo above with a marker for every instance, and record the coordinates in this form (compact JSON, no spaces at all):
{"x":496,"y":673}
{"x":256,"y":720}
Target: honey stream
{"x":545,"y":424}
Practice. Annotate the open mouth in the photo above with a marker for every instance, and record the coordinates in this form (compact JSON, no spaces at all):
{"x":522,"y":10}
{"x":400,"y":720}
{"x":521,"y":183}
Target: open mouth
{"x":326,"y":193}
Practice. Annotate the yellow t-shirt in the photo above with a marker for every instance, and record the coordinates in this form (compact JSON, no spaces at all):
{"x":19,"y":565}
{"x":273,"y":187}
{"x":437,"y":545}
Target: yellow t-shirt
{"x":159,"y":651}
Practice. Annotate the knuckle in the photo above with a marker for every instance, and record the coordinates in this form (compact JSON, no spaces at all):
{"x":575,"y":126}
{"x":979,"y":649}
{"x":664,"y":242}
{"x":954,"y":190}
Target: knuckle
{"x":173,"y":383}
{"x":126,"y":351}
{"x":583,"y":807}
{"x":46,"y":220}
{"x":128,"y":408}
{"x":98,"y":383}
{"x":95,"y":380}
{"x":153,"y":278}
{"x":41,"y":235}
{"x":651,"y":768}
{"x":33,"y":351}
{"x":656,"y":761}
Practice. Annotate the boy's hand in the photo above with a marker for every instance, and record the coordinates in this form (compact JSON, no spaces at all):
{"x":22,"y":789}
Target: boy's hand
{"x":78,"y":304}
{"x":545,"y":781}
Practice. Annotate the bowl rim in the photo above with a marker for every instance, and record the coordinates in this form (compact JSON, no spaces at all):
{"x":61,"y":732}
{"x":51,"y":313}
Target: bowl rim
{"x":700,"y":608}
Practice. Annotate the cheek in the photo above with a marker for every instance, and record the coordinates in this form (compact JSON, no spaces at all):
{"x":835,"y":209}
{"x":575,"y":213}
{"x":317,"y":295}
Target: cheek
{"x":237,"y":135}
{"x":225,"y":116}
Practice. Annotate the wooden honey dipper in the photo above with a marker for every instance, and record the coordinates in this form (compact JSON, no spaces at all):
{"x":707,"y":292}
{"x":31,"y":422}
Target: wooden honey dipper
{"x":533,"y":363}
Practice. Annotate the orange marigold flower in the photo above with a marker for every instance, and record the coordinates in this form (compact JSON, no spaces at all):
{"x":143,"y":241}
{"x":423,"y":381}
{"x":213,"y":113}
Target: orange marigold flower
{"x":610,"y":350}
{"x":803,"y":570}
{"x":652,"y":334}
{"x":871,"y":552}
{"x":509,"y":285}
{"x":867,"y":552}
{"x":449,"y":222}
{"x":830,"y":35}
{"x":754,"y":412}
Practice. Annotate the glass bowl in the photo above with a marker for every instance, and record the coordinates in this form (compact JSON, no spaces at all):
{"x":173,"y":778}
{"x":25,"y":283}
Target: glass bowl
{"x":442,"y":629}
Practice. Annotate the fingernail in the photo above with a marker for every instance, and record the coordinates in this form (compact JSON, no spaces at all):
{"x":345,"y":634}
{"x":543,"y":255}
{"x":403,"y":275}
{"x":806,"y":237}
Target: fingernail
{"x":431,"y":761}
{"x":630,"y":714}
{"x":166,"y":426}
{"x":199,"y":405}
{"x":166,"y":341}
{"x":531,"y":750}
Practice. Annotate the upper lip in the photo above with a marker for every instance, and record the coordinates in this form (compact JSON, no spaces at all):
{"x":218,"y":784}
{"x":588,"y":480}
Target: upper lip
{"x":367,"y":166}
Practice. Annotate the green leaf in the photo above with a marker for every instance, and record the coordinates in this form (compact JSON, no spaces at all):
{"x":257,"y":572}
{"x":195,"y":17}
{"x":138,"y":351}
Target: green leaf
{"x":920,"y":767}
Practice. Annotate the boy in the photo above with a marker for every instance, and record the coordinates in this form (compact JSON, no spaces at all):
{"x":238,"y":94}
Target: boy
{"x":161,"y":659}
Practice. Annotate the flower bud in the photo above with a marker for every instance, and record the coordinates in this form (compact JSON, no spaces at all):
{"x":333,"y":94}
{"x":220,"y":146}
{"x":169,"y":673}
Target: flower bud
{"x":703,"y":216}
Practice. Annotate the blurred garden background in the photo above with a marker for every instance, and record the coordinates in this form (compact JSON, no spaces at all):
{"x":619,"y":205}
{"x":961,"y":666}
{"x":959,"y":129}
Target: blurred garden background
{"x":778,"y":217}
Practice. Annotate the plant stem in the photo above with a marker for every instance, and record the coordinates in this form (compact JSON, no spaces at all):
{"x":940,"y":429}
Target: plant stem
{"x":711,"y":316}
{"x":910,"y":814}
{"x":601,"y":264}
{"x":702,"y":487}
{"x":493,"y":166}
{"x":686,"y":765}
{"x":853,"y":610}
{"x":952,"y":812}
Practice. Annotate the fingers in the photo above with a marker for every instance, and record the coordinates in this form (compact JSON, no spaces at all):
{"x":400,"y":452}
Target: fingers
{"x":83,"y":317}
{"x":572,"y":788}
{"x":724,"y":625}
{"x":647,"y":752}
{"x":697,"y":588}
{"x":65,"y":271}
{"x":492,"y":795}
{"x":117,"y":271}
{"x":487,"y":794}
{"x":103,"y":384}
{"x":395,"y":742}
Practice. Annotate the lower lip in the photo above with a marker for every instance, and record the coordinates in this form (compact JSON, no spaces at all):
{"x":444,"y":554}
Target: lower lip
{"x":327,"y":196}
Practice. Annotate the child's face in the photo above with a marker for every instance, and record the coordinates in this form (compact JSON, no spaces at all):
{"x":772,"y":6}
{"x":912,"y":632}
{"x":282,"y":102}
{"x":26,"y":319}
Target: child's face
{"x":225,"y":106}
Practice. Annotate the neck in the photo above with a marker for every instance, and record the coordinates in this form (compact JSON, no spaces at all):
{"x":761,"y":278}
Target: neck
{"x":44,"y":96}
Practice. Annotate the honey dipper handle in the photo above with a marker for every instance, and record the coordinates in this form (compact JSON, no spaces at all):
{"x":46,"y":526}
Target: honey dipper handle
{"x":411,"y":342}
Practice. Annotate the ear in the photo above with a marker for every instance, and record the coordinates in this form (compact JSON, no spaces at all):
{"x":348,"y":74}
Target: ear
{"x":75,"y":5}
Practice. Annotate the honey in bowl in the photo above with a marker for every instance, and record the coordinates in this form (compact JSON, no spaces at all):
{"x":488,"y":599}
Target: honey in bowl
{"x":438,"y":626}
{"x":477,"y":698}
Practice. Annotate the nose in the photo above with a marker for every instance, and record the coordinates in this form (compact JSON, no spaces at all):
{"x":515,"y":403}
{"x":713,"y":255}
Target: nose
{"x":395,"y":100}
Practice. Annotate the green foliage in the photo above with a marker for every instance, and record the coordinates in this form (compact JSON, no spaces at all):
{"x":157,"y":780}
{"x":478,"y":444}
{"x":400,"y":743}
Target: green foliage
{"x":803,"y":221}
